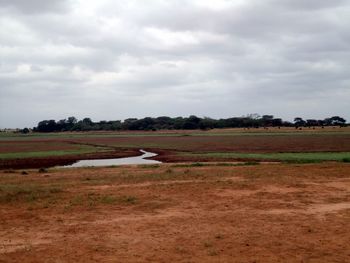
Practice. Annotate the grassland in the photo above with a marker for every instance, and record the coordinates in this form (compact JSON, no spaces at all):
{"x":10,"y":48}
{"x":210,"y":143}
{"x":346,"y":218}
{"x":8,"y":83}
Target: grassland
{"x":296,"y":157}
{"x":34,"y":154}
{"x":285,"y":144}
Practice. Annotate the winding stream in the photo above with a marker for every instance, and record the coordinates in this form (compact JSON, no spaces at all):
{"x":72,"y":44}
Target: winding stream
{"x":117,"y":161}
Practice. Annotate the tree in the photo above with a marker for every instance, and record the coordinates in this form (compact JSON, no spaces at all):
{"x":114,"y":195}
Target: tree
{"x":47,"y":126}
{"x":267,"y":120}
{"x":207,"y":123}
{"x":311,"y":122}
{"x":72,"y":120}
{"x":24,"y":131}
{"x":191,"y":122}
{"x":335,"y":120}
{"x":87,"y":121}
{"x":277,"y":122}
{"x":298,"y":122}
{"x":116,"y":125}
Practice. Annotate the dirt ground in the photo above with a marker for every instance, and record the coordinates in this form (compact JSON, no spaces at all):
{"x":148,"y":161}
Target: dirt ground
{"x":177,"y":213}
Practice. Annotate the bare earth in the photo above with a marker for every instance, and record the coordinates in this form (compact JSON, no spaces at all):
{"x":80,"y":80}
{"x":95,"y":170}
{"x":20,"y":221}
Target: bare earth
{"x":172,"y":213}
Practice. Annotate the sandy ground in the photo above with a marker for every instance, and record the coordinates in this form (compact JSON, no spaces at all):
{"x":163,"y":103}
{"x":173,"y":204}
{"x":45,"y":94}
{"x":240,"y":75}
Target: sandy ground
{"x":172,"y":213}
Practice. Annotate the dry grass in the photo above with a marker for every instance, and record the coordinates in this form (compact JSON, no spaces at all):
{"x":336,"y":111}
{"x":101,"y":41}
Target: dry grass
{"x":267,"y":213}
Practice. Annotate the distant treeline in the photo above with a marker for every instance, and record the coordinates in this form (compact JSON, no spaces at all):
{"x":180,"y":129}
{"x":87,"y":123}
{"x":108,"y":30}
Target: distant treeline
{"x":179,"y":123}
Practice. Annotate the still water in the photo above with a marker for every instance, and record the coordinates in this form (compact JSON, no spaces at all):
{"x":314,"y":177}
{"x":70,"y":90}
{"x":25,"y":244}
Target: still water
{"x":118,"y":161}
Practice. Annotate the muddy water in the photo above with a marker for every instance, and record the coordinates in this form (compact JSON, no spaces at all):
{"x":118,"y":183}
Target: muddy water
{"x":118,"y":161}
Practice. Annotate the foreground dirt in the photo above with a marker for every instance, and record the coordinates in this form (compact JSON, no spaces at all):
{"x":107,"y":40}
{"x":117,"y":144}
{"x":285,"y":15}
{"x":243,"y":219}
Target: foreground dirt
{"x":177,"y":213}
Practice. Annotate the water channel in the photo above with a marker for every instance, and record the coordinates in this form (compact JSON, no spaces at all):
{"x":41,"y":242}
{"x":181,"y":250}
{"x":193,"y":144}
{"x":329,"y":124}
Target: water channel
{"x":117,"y":161}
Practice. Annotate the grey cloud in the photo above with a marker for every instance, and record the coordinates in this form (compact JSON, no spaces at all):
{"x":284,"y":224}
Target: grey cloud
{"x":34,"y":6}
{"x":310,"y":4}
{"x":115,"y":59}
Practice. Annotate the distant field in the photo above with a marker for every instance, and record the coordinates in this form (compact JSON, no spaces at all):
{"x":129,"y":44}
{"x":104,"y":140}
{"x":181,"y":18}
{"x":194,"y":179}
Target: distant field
{"x":307,"y":157}
{"x":39,"y":146}
{"x":180,"y":146}
{"x":213,"y":132}
{"x":33,"y":154}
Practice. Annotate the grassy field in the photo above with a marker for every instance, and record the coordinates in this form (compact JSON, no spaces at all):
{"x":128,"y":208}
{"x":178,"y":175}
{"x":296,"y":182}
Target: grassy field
{"x":82,"y":150}
{"x":297,"y":157}
{"x":285,"y":144}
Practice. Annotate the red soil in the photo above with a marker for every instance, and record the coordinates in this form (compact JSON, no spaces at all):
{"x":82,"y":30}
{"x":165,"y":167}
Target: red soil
{"x":264,"y":213}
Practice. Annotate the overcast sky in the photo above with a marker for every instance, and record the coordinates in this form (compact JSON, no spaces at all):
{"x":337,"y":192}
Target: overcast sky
{"x":114,"y":59}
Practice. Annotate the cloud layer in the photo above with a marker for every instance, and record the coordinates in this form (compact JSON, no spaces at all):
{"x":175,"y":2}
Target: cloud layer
{"x":117,"y":59}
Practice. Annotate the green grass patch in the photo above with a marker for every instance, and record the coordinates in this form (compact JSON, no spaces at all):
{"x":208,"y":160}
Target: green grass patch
{"x":36,"y":154}
{"x":143,"y":145}
{"x":222,"y":164}
{"x":287,"y":157}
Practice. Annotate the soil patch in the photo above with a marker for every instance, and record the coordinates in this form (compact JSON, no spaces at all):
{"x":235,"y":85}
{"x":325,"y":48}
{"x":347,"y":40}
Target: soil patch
{"x":264,"y":213}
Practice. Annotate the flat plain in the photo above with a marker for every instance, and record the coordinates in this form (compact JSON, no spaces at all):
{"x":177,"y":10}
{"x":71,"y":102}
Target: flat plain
{"x":46,"y":150}
{"x":219,"y":198}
